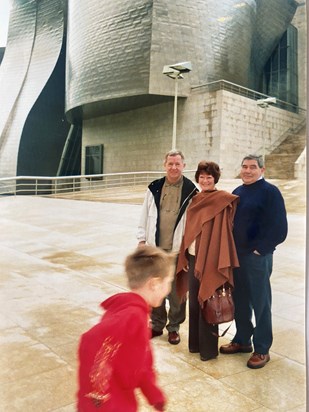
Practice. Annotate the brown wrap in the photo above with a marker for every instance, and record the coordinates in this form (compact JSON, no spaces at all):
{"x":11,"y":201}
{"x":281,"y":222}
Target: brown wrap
{"x":210,"y":222}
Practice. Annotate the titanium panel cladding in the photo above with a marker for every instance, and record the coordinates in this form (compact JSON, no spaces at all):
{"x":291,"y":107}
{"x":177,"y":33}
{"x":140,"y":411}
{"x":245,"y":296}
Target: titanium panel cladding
{"x":108,"y":50}
{"x":35,"y":39}
{"x":117,"y":50}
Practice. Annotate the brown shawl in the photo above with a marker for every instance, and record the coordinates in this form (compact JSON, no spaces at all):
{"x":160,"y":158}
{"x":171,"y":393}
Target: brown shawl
{"x":210,"y":223}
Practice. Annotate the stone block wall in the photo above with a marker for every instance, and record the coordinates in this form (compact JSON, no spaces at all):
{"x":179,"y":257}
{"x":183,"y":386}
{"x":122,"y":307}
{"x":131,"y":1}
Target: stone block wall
{"x":247,"y":128}
{"x":219,"y":126}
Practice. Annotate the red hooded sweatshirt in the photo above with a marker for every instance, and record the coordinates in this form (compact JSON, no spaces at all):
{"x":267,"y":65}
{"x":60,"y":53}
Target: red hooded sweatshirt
{"x":115,"y":358}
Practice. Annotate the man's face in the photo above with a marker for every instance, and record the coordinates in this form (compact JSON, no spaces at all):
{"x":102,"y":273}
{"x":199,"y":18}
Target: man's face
{"x":250,"y":171}
{"x":174,"y":166}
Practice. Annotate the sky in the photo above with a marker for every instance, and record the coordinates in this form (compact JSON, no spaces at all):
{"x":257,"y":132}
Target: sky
{"x":4,"y":21}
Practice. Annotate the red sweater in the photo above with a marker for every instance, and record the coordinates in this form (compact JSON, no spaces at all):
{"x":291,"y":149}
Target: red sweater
{"x":115,"y":358}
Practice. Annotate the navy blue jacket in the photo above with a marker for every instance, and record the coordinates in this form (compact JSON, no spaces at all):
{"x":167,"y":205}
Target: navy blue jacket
{"x":260,"y":221}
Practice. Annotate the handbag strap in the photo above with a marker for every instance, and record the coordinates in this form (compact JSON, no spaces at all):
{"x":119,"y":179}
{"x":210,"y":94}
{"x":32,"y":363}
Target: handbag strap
{"x":224,"y":332}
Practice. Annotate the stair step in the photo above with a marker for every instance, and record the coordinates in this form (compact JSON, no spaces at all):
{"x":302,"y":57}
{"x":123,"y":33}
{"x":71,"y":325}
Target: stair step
{"x":279,"y":164}
{"x":294,"y":143}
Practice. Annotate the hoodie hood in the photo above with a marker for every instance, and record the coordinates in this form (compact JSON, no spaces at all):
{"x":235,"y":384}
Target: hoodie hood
{"x":121,"y":301}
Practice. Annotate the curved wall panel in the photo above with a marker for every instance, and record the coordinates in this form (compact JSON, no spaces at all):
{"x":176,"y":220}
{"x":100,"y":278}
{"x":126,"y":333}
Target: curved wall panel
{"x":116,"y":52}
{"x":109,"y":49}
{"x":35,"y":39}
{"x":14,"y":67}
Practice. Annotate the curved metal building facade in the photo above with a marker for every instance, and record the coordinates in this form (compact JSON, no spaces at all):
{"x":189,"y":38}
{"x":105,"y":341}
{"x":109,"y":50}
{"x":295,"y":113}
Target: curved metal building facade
{"x":80,"y":60}
{"x":116,"y":52}
{"x":33,"y":126}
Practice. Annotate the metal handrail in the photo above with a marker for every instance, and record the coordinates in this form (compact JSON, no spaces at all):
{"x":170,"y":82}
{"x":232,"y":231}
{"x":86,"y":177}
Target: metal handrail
{"x":58,"y":185}
{"x":249,"y":93}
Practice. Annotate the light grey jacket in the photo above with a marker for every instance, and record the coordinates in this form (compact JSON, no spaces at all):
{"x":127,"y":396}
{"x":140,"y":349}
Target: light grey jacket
{"x":149,"y":222}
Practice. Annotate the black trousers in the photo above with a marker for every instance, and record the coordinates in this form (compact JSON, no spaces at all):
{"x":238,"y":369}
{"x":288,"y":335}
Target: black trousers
{"x":201,"y":338}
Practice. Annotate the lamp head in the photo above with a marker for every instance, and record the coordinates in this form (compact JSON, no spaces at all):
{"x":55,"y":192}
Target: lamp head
{"x":175,"y":70}
{"x":266,"y":102}
{"x":183,"y":67}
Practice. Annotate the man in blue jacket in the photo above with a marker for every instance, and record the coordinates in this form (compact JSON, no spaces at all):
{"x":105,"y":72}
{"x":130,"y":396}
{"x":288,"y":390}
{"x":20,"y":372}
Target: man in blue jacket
{"x":260,"y":224}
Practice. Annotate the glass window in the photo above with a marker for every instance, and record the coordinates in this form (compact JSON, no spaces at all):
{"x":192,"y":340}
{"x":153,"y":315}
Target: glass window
{"x":94,"y":160}
{"x":280,"y":72}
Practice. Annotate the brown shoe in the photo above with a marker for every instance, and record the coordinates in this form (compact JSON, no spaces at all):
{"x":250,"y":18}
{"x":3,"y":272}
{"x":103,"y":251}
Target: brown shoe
{"x":234,"y":347}
{"x":173,"y":338}
{"x":258,"y":360}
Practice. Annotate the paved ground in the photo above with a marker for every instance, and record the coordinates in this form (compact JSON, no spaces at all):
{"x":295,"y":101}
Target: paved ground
{"x":60,"y":258}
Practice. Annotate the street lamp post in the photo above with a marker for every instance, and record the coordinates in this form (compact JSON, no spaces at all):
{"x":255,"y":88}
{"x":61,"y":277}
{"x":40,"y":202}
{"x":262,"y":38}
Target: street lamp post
{"x":264,"y":104}
{"x":175,"y":114}
{"x":174,"y":71}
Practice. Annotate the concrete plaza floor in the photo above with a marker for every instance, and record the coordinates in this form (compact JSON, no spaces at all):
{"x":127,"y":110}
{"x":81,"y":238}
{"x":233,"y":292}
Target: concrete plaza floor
{"x":60,"y":258}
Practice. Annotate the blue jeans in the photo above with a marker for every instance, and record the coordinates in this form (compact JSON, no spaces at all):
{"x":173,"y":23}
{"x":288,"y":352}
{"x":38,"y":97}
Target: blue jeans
{"x":252,"y":294}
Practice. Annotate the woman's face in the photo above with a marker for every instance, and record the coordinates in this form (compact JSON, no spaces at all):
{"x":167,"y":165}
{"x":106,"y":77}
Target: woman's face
{"x":206,"y":182}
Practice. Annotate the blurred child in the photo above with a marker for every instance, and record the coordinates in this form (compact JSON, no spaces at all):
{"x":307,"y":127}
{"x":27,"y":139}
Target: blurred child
{"x":115,"y":356}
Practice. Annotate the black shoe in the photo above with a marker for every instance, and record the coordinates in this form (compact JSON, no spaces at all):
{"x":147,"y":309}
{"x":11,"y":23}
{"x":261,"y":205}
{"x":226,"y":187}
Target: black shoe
{"x":208,"y":358}
{"x":155,"y":333}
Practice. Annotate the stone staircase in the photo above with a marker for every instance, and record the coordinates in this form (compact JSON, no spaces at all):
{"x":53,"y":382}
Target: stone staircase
{"x":279,"y":164}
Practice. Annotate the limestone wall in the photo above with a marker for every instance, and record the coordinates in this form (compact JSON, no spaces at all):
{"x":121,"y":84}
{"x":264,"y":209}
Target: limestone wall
{"x":219,"y":126}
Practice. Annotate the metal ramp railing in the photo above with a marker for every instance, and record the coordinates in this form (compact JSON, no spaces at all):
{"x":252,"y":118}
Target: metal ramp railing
{"x":69,"y":185}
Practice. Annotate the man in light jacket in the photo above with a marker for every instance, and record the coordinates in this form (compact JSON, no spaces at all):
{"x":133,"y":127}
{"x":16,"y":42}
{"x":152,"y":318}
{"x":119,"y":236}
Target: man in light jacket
{"x":162,"y":224}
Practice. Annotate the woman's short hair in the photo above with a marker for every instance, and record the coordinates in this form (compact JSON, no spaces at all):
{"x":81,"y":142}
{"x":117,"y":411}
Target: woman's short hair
{"x":210,"y":168}
{"x":148,"y":262}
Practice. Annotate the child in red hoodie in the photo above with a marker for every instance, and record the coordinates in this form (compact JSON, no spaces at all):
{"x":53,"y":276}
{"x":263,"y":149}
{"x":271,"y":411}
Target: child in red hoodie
{"x":115,"y":356}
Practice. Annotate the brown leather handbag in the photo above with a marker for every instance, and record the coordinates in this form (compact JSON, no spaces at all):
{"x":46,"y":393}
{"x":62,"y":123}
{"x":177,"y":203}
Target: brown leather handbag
{"x":219,"y":308}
